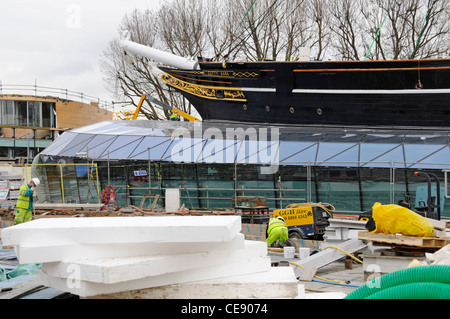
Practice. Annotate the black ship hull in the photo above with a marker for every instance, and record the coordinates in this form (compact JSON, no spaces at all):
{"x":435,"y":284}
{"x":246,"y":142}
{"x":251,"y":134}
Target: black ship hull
{"x":412,"y":93}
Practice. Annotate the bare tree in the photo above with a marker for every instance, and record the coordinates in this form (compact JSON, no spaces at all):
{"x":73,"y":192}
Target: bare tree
{"x":182,"y":27}
{"x":429,"y":33}
{"x":320,"y":15}
{"x":346,"y":26}
{"x":390,"y":29}
{"x":128,"y":77}
{"x":252,"y":30}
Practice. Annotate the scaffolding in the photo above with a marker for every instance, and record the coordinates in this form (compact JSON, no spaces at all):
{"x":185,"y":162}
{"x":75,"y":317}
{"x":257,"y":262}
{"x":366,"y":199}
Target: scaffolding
{"x":66,"y":183}
{"x":351,"y":190}
{"x":352,"y":168}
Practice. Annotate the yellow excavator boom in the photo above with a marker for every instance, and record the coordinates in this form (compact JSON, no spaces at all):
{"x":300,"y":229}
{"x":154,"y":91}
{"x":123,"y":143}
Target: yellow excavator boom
{"x":138,"y":108}
{"x":167,"y":107}
{"x":185,"y":115}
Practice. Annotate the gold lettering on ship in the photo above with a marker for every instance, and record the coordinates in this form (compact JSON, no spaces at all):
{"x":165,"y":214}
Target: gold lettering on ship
{"x":208,"y":92}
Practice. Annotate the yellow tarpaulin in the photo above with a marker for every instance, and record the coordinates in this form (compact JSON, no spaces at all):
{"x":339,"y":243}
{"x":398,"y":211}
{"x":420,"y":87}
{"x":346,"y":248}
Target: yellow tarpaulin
{"x":395,"y":219}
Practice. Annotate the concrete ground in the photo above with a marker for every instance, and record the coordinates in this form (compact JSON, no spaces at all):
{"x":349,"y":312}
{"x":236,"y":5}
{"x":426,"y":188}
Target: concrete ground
{"x":334,"y":271}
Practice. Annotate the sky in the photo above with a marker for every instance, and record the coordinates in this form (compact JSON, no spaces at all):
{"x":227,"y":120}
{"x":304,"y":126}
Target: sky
{"x":58,"y":43}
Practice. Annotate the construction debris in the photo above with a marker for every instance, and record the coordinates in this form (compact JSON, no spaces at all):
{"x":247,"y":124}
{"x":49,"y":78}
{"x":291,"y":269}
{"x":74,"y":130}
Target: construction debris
{"x":341,"y":230}
{"x":106,"y":256}
{"x":231,"y":261}
{"x":327,"y":256}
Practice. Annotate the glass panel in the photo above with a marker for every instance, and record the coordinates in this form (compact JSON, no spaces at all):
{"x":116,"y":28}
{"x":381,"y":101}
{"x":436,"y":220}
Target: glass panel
{"x":255,"y":151}
{"x":375,"y":187}
{"x":157,"y":145}
{"x":380,"y":155}
{"x":47,"y":114}
{"x":438,"y":160}
{"x":215,"y":186}
{"x":344,"y":196}
{"x":100,"y":128}
{"x":328,"y":151}
{"x":59,"y":144}
{"x":297,"y":152}
{"x":8,"y":115}
{"x":247,"y":152}
{"x":226,"y":151}
{"x":77,"y":145}
{"x":186,"y":150}
{"x":122,"y":147}
{"x":425,"y":154}
{"x":21,"y":113}
{"x":346,"y":157}
{"x":34,"y":113}
{"x":99,"y":144}
{"x":212,"y":152}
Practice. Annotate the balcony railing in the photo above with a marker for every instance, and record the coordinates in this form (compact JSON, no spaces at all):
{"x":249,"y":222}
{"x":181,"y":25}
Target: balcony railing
{"x":44,"y":91}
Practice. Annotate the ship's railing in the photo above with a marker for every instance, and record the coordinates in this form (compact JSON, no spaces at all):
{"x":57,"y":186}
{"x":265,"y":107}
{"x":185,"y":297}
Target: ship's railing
{"x":44,"y":91}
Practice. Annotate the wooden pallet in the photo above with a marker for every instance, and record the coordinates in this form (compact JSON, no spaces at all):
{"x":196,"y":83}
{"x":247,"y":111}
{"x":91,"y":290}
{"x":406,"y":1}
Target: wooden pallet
{"x":421,"y":242}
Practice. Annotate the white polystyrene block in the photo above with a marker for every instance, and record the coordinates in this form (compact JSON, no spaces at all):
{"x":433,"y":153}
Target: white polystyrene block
{"x":173,"y":199}
{"x":108,"y":230}
{"x":113,"y":270}
{"x":76,"y":286}
{"x":278,"y":282}
{"x":54,"y":252}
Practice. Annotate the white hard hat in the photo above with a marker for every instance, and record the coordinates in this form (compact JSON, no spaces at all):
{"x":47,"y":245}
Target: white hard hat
{"x":280,"y":218}
{"x":36,"y":181}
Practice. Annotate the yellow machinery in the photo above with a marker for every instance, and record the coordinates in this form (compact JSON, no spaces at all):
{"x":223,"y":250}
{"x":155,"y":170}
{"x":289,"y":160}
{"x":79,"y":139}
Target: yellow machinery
{"x":138,"y":108}
{"x":167,"y":107}
{"x":306,"y":220}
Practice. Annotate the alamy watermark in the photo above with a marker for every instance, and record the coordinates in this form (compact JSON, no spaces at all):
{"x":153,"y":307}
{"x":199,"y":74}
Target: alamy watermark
{"x":233,"y":145}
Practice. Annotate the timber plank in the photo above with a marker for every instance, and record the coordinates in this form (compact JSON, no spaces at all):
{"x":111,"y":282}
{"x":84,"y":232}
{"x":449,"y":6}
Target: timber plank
{"x":426,"y":242}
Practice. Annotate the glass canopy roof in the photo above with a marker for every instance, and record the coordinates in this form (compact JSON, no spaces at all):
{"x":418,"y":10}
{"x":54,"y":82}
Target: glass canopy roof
{"x":219,"y":142}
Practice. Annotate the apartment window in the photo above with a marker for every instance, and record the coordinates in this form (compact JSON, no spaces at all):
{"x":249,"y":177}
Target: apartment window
{"x":34,"y":114}
{"x":47,"y":112}
{"x":7,"y":112}
{"x":22,"y":113}
{"x":27,"y":113}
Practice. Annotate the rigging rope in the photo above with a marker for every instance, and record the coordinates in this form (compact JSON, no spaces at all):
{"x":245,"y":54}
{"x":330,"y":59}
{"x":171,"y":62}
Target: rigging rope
{"x":430,"y":5}
{"x":245,"y":16}
{"x":376,"y":36}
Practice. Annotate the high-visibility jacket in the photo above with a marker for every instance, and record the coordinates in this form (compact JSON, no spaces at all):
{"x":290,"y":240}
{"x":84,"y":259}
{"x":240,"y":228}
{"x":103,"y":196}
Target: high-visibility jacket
{"x":274,"y":223}
{"x":25,"y":200}
{"x":276,"y":230}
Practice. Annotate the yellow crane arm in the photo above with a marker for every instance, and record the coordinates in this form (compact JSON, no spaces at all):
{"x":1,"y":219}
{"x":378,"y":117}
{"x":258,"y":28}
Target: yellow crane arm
{"x":172,"y":109}
{"x":138,"y":108}
{"x":185,"y":115}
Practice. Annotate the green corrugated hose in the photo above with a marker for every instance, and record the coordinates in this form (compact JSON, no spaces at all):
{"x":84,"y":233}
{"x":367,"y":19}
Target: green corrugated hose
{"x":422,"y":282}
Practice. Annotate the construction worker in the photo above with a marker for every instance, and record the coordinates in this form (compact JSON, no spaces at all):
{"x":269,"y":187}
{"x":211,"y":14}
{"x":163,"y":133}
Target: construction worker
{"x":277,"y":231}
{"x":24,"y":206}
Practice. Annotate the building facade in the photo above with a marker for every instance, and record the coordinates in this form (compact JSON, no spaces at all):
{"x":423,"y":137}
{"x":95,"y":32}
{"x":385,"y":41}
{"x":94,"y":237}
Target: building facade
{"x":30,"y":123}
